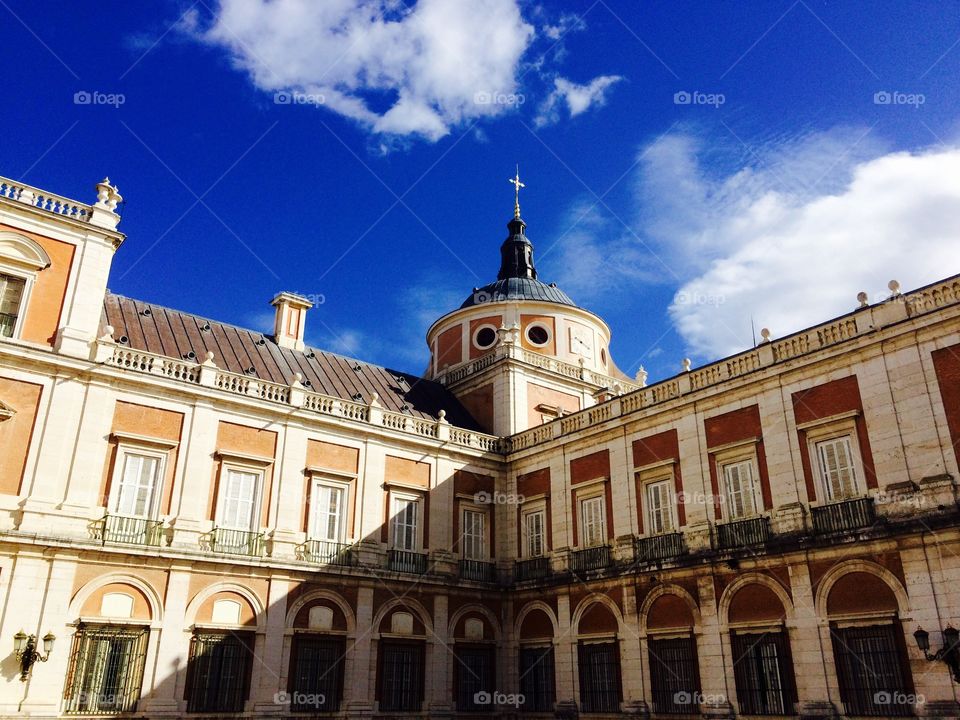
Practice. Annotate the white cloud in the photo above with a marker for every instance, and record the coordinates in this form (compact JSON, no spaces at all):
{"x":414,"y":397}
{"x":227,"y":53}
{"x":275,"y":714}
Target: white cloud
{"x":391,"y":68}
{"x":577,"y":98}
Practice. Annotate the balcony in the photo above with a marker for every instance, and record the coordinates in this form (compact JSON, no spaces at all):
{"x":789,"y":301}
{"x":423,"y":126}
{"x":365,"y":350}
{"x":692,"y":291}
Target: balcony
{"x":407,"y":561}
{"x":478,"y":570}
{"x":658,"y":547}
{"x":843,"y":516}
{"x":235,"y":542}
{"x":593,"y":558}
{"x":129,"y":530}
{"x":532,"y":569}
{"x":325,"y":552}
{"x":743,"y":533}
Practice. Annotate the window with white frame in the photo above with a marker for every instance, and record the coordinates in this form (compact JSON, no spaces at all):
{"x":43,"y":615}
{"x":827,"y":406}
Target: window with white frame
{"x":12,"y":294}
{"x":741,"y":489}
{"x":659,"y":506}
{"x":533,"y":526}
{"x":473,"y":541}
{"x":592,"y":531}
{"x":837,"y":464}
{"x":405,"y":522}
{"x":137,"y":485}
{"x":239,"y":491}
{"x":328,"y":510}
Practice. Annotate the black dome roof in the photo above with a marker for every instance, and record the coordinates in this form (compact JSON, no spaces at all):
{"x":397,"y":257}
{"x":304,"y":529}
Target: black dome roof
{"x":515,"y":288}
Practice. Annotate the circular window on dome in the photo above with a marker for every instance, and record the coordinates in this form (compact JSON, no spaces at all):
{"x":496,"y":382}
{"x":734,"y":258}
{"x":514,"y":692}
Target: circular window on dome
{"x":485,"y":337}
{"x":538,"y":335}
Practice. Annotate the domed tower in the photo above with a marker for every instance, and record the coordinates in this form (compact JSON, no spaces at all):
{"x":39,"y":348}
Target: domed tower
{"x":519,"y":352}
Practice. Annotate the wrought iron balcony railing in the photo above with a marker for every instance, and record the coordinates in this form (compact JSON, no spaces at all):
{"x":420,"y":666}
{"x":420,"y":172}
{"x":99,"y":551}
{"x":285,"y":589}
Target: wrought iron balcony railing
{"x":531,"y":568}
{"x":844,"y":516}
{"x":130,"y":530}
{"x":658,"y":547}
{"x":236,"y":542}
{"x":478,"y":570}
{"x":743,"y":533}
{"x":407,"y":561}
{"x":590,"y":559}
{"x":326,"y":552}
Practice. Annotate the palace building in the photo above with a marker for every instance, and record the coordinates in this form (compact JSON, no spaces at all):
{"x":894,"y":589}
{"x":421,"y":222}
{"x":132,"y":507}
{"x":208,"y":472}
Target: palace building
{"x":198,"y":520}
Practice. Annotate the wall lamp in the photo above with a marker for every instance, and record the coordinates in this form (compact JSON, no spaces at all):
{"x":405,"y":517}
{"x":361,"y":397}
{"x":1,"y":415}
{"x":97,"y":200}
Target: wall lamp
{"x":25,"y":648}
{"x":949,"y":653}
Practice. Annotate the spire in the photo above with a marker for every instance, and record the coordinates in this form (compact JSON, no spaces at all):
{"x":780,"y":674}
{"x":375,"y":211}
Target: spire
{"x":516,"y":253}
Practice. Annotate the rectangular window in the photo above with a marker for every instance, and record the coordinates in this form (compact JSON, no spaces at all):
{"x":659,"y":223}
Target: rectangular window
{"x":404,"y":523}
{"x":659,"y":507}
{"x":218,"y":672}
{"x":741,"y":489}
{"x":537,"y":679}
{"x":591,"y":521}
{"x":106,"y":669}
{"x":329,"y":512}
{"x":763,"y":672}
{"x":673,"y":672}
{"x":474,"y":535}
{"x":316,"y":673}
{"x":11,"y":297}
{"x":139,"y":479}
{"x":599,"y":677}
{"x":238,"y":505}
{"x":401,"y":676}
{"x":534,"y":533}
{"x":473,"y":678}
{"x":837,"y":468}
{"x":870,"y":668}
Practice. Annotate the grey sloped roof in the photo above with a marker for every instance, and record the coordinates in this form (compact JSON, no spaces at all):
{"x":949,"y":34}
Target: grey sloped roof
{"x":514,"y":288}
{"x":172,"y":333}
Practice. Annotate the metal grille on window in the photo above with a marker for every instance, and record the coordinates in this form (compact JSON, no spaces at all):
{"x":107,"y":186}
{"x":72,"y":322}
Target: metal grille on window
{"x":218,"y":676}
{"x":11,"y":295}
{"x":537,"y":679}
{"x":836,"y":466}
{"x":401,"y":676}
{"x":473,"y":670}
{"x":316,"y":674}
{"x":599,"y":677}
{"x":659,"y":512}
{"x":674,"y":676}
{"x":106,"y":669}
{"x":870,"y":668}
{"x":763,"y":671}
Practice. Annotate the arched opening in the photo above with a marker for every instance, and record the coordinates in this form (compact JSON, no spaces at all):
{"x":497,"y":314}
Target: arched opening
{"x":536,"y":661}
{"x":598,"y":658}
{"x":672,"y":653}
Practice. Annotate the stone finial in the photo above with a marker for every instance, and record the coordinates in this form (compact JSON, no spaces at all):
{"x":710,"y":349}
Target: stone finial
{"x":686,"y":364}
{"x":297,"y":381}
{"x":442,"y":416}
{"x":208,"y":359}
{"x":894,"y":287}
{"x":107,"y":336}
{"x":374,"y":400}
{"x":862,"y":299}
{"x":764,"y":335}
{"x":641,"y":377}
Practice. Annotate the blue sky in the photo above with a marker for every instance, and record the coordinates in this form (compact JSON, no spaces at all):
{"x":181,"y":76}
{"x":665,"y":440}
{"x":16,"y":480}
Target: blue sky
{"x":690,"y":166}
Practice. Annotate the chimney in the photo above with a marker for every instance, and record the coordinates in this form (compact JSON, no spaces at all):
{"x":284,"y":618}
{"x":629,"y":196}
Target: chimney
{"x":290,"y":320}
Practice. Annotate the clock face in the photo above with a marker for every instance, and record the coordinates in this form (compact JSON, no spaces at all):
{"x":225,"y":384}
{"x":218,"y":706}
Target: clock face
{"x":581,"y":342}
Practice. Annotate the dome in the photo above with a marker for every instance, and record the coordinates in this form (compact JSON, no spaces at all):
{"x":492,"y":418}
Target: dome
{"x":517,"y":288}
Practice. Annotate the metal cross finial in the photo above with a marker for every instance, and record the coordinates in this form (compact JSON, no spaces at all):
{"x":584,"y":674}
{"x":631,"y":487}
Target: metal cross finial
{"x":515,"y":181}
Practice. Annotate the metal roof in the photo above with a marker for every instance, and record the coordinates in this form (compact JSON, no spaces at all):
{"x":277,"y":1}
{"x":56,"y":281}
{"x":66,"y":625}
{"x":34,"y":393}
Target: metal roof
{"x":514,"y":288}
